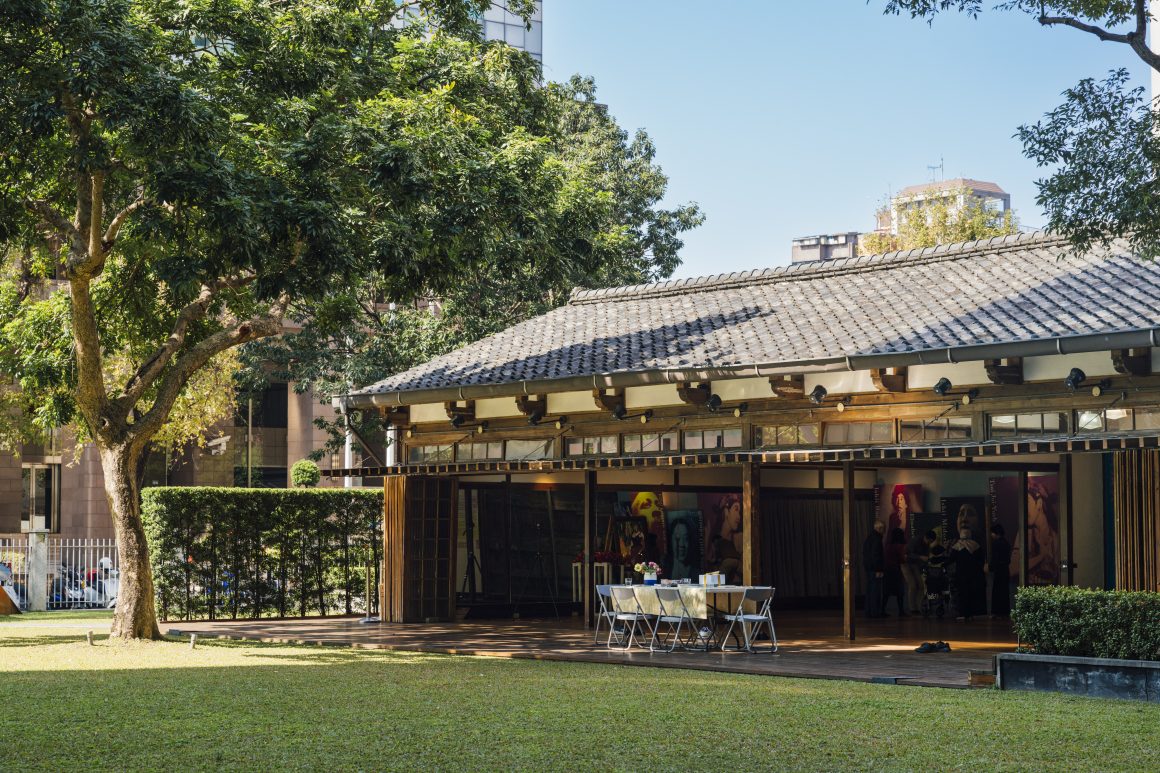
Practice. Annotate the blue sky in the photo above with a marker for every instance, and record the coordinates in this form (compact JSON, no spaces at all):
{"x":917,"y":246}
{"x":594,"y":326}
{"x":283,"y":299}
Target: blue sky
{"x":786,"y":119}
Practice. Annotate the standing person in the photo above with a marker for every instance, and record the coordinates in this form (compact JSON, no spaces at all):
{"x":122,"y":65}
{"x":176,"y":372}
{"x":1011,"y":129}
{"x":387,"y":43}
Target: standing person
{"x":1000,"y":569}
{"x":893,"y":586}
{"x":874,"y":562}
{"x":967,"y":557}
{"x":917,"y":553}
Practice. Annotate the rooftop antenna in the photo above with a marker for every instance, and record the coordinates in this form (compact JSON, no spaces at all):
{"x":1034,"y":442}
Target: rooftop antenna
{"x":940,"y":168}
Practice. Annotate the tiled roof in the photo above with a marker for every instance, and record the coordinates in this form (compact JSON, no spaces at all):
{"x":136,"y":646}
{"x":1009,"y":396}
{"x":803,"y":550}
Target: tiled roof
{"x":1022,"y":288}
{"x":950,"y":185}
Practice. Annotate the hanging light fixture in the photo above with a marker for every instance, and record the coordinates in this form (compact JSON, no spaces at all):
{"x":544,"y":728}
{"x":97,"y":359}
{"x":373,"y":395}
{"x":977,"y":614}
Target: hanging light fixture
{"x":713,"y":403}
{"x":1074,"y":378}
{"x":943,"y":386}
{"x":818,"y":394}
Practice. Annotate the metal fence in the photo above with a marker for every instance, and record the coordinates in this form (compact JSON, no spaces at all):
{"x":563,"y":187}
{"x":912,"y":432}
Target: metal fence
{"x":42,"y":572}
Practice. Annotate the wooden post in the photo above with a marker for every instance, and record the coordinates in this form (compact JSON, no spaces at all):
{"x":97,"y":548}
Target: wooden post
{"x":1022,"y":536}
{"x":1066,"y":540}
{"x":848,"y":549}
{"x":589,"y":536}
{"x":751,"y":524}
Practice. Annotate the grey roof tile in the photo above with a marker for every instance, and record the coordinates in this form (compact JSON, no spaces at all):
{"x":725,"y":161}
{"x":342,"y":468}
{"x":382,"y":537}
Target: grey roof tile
{"x":1021,"y":287}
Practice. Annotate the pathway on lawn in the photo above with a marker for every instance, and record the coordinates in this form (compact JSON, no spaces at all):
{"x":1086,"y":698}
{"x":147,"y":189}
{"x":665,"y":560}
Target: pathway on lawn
{"x":884,"y":650}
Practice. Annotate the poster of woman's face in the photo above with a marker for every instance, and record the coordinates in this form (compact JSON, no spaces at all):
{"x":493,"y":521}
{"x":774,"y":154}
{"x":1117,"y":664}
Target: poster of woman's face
{"x":683,"y":559}
{"x":905,"y":499}
{"x":965,"y":514}
{"x":1042,"y":533}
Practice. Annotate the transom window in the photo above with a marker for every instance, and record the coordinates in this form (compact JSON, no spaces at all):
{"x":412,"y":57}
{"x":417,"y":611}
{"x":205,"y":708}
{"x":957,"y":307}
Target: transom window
{"x":425,"y":454}
{"x":790,"y":435}
{"x":698,"y":439}
{"x":517,"y":450}
{"x":1027,"y":424}
{"x":1115,"y":419}
{"x":597,"y":445}
{"x":943,"y":428}
{"x":651,"y":442}
{"x":858,"y":432}
{"x":478,"y":452}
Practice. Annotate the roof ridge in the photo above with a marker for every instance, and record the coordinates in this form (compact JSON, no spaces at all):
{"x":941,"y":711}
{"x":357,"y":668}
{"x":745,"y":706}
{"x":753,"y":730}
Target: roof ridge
{"x":813,"y":269}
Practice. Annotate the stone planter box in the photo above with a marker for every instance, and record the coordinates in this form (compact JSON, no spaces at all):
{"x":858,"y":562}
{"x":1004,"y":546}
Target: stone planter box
{"x":1094,"y":677}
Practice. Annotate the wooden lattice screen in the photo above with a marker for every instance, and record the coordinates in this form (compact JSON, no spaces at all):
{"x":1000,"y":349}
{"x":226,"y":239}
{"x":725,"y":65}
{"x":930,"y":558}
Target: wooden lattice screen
{"x":1136,"y":491}
{"x":419,"y":535}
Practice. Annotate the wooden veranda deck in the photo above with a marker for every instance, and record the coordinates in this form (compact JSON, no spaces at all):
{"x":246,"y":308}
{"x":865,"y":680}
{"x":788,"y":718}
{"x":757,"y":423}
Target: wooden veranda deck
{"x":811,"y":645}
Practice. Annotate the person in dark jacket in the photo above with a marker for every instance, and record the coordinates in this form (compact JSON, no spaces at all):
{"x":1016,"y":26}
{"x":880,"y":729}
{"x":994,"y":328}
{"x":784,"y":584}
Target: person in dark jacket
{"x":1000,"y":569}
{"x":874,"y":564}
{"x":892,"y":583}
{"x":968,"y":559}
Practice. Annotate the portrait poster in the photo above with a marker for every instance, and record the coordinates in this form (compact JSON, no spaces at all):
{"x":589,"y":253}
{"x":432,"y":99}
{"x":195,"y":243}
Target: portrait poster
{"x":683,"y":555}
{"x":921,"y":523}
{"x":723,"y":533}
{"x":646,"y":510}
{"x":1042,"y":533}
{"x":1041,"y":536}
{"x":965,"y":513}
{"x":896,"y":509}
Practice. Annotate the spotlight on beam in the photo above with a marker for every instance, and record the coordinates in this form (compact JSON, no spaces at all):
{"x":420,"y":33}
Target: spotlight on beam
{"x":457,"y":420}
{"x":943,"y":386}
{"x":1074,"y":378}
{"x":713,"y":403}
{"x":535,"y":417}
{"x":842,"y":404}
{"x":561,"y":421}
{"x":970,"y":396}
{"x":619,"y":412}
{"x":818,"y":394}
{"x":481,"y":428}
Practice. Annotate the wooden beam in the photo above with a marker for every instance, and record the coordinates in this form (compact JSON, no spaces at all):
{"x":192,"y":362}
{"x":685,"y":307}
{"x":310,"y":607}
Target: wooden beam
{"x":589,"y":552}
{"x":791,"y":387}
{"x":848,"y":511}
{"x":696,"y":395}
{"x":454,"y":409}
{"x":1066,"y":530}
{"x":1007,"y":371}
{"x":1132,"y":362}
{"x":893,"y":381}
{"x":397,"y":417}
{"x":751,"y":524}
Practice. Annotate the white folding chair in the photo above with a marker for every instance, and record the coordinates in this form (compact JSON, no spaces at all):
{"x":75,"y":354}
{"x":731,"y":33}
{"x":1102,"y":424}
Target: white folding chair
{"x":751,"y":622}
{"x":605,"y":613}
{"x":627,"y":611}
{"x":675,"y":614}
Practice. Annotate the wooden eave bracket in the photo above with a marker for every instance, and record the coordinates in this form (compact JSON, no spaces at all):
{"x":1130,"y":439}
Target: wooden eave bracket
{"x":529,"y":404}
{"x":608,"y":402}
{"x":397,"y":417}
{"x":1005,"y":371}
{"x":790,"y":387}
{"x":694,"y":395}
{"x":454,"y":409}
{"x":1132,"y":362}
{"x":889,"y":379}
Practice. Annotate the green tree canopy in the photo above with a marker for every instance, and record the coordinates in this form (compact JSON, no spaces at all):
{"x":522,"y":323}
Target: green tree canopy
{"x":198,"y":172}
{"x":1101,"y":144}
{"x":953,"y":216}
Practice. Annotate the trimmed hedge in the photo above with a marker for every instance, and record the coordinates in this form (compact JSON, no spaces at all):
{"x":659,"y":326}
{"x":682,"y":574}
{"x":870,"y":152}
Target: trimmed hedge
{"x":234,"y":552}
{"x":1088,"y":623}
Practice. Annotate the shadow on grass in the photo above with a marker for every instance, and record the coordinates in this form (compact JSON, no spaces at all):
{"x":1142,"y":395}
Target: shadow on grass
{"x":40,"y":641}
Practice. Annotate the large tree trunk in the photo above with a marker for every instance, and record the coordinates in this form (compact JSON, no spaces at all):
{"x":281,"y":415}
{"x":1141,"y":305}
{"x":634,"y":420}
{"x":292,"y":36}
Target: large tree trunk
{"x":136,"y":613}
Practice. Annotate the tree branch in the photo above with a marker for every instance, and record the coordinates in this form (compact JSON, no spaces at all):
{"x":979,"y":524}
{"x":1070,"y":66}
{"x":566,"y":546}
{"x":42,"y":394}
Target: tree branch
{"x":194,"y":359}
{"x":1091,"y":29}
{"x":119,"y":220}
{"x":151,"y":369}
{"x":52,"y":217}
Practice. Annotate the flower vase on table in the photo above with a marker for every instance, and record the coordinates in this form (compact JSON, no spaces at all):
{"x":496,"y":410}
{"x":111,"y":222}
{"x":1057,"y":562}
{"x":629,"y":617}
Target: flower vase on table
{"x":649,"y":570}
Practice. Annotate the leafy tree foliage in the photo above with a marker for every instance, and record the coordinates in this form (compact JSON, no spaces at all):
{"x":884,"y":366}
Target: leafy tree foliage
{"x":199,"y":172}
{"x":1101,"y":142}
{"x":941,"y":220}
{"x":618,"y":189}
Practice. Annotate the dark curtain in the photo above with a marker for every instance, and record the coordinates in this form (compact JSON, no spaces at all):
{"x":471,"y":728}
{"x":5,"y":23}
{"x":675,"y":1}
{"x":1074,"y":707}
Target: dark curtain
{"x":802,"y":541}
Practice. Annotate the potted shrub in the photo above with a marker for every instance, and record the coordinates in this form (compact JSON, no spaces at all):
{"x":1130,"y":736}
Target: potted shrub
{"x":1085,"y":642}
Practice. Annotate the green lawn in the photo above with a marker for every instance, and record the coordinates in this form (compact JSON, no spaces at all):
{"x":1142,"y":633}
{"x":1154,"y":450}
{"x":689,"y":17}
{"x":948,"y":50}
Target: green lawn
{"x":66,"y":705}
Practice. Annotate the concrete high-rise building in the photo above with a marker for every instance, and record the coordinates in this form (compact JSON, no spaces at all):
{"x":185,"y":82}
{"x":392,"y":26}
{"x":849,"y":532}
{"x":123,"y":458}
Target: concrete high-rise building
{"x":954,"y":192}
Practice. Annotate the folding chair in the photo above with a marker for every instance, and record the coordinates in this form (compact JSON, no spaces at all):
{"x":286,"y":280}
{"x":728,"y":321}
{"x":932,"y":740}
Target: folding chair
{"x":605,"y":613}
{"x":762,"y":599}
{"x":675,"y":614}
{"x":626,"y":610}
